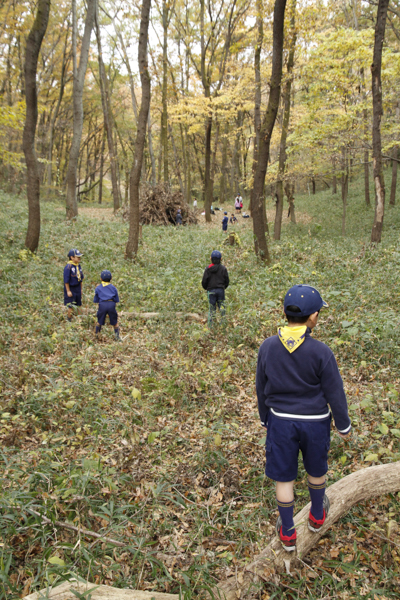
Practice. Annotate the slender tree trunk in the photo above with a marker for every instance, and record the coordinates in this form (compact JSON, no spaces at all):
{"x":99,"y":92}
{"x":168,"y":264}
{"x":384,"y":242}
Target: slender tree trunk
{"x":289,"y":191}
{"x":108,"y":119}
{"x":207,"y":169}
{"x":285,"y":124}
{"x":177,"y":160}
{"x":257,"y":98}
{"x":134,"y":216}
{"x":334,"y":178}
{"x":79,"y":82}
{"x":393,"y":186}
{"x":103,"y":143}
{"x":258,"y":201}
{"x":55,"y":115}
{"x":151,"y":151}
{"x":214,"y":161}
{"x":224,"y":160}
{"x":33,"y":45}
{"x":376,"y":68}
{"x":345,"y":187}
{"x":164,"y":91}
{"x":396,"y":156}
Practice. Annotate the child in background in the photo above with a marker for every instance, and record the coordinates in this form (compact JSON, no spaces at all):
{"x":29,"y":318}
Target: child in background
{"x":297,"y":377}
{"x":178,"y":219}
{"x":225,"y":223}
{"x":233,"y":219}
{"x":215,"y":281}
{"x":106,"y":295}
{"x":73,"y":277}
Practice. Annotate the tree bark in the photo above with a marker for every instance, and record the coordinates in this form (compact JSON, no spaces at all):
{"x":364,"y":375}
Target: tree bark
{"x":257,"y":96}
{"x":133,"y":240}
{"x":108,"y":118}
{"x":79,"y":82}
{"x":33,"y":45}
{"x":258,"y":201}
{"x":334,"y":178}
{"x":349,"y":491}
{"x":289,"y":191}
{"x":285,"y":124}
{"x":164,"y":90}
{"x":345,"y":187}
{"x":396,"y":156}
{"x":376,"y":67}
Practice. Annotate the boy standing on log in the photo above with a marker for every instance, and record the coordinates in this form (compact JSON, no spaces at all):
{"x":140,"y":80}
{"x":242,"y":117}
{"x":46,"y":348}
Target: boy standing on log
{"x":215,"y":281}
{"x":297,"y":377}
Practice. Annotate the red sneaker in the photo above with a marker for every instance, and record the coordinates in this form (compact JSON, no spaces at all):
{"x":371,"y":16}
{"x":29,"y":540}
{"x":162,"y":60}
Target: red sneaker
{"x":316,"y":524}
{"x":287,"y":541}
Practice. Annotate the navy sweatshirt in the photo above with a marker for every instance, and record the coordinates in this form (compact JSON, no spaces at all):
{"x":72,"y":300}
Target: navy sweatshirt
{"x":106,"y":293}
{"x":300,"y":384}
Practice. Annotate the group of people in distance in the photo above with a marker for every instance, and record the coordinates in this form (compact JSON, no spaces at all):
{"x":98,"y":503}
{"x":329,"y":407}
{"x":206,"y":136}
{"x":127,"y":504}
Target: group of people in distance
{"x":298,"y":384}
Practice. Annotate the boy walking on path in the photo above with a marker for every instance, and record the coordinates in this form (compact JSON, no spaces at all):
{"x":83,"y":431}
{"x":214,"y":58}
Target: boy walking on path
{"x":106,"y":295}
{"x":73,"y":277}
{"x":215,"y":281}
{"x":297,"y":378}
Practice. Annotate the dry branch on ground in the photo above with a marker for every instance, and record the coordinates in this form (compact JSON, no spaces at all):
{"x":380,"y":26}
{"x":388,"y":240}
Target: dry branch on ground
{"x":343,"y":495}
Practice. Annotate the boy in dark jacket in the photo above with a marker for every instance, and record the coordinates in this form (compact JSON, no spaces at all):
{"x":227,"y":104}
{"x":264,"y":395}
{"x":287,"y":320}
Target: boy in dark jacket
{"x":106,"y":295}
{"x":215,"y":281}
{"x":225,"y":222}
{"x":297,"y":378}
{"x":73,"y":277}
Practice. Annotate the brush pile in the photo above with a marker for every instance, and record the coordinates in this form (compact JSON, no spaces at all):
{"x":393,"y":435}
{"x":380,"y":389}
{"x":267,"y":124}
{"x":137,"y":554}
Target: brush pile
{"x":159,"y":205}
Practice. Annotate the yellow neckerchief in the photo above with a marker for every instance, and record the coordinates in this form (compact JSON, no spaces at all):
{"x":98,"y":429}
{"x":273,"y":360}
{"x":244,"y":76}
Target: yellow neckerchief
{"x":78,"y":271}
{"x":104,"y":283}
{"x":292,"y":337}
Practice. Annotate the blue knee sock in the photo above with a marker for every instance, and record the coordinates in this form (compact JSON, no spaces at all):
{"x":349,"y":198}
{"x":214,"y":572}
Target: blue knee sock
{"x":98,"y":329}
{"x":286,"y":514}
{"x":317,"y":493}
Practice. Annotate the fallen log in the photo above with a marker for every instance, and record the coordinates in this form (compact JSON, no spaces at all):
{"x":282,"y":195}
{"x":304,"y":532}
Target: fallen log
{"x":100,"y":592}
{"x":158,"y":315}
{"x":343,"y":495}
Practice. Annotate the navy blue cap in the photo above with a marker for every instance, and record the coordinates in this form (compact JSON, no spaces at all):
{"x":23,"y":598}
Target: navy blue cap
{"x":216,"y":254}
{"x":225,"y":213}
{"x":75,"y":252}
{"x":105,"y":275}
{"x":306,"y":298}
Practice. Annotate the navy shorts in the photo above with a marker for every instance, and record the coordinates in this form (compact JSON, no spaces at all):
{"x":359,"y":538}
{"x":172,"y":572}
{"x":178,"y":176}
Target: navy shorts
{"x":285,"y":437}
{"x":76,"y":297}
{"x":107,"y":308}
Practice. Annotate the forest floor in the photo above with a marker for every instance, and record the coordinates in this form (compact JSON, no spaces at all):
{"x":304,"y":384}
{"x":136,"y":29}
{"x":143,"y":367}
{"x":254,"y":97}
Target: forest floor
{"x":155,"y":441}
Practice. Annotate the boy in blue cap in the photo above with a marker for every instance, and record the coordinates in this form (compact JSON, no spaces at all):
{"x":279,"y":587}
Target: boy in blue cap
{"x":106,"y":295}
{"x":73,"y":277}
{"x":297,"y":378}
{"x":225,"y":222}
{"x":215,"y":281}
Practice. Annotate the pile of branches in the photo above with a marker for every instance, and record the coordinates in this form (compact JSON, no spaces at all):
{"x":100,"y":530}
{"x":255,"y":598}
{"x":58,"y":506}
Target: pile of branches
{"x":159,"y":205}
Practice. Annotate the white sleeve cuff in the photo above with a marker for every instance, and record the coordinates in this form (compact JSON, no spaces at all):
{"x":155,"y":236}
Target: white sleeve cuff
{"x":344,"y":431}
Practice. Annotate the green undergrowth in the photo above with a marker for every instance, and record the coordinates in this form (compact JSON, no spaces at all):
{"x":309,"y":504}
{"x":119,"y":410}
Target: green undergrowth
{"x":154,"y":442}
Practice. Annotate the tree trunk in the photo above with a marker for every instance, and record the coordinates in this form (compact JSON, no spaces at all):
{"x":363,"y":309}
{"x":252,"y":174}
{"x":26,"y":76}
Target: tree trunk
{"x":257,"y":96}
{"x":289,"y":191}
{"x":258,"y":202}
{"x":164,"y":90}
{"x":224,"y":160}
{"x":285,"y":125}
{"x":133,"y":240}
{"x":343,"y":495}
{"x":345,"y":187}
{"x":207,"y":170}
{"x":214,"y":161}
{"x":334,"y":178}
{"x":376,"y":68}
{"x":108,"y":118}
{"x":103,"y":143}
{"x":79,"y":82}
{"x":33,"y":45}
{"x":151,"y":151}
{"x":55,"y":115}
{"x":366,"y":163}
{"x":396,"y":156}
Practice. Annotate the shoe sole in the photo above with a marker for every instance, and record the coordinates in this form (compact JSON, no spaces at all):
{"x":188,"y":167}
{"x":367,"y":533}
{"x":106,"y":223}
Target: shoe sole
{"x":326,"y":506}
